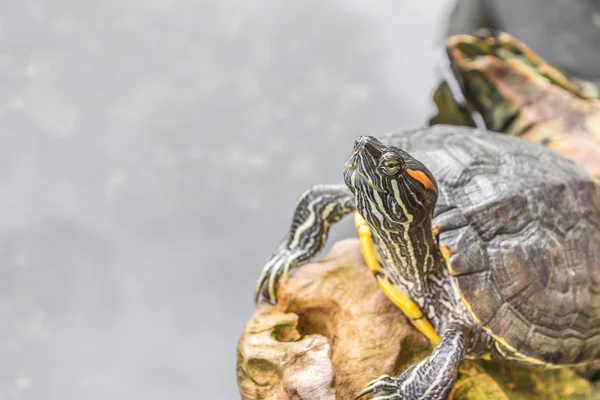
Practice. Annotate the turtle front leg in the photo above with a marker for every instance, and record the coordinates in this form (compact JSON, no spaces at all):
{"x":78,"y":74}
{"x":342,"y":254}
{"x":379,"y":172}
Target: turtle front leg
{"x":430,"y":379}
{"x":317,"y":210}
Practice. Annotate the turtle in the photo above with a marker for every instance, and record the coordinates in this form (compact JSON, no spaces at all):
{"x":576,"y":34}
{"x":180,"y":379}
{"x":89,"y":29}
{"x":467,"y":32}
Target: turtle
{"x":564,"y":33}
{"x":496,"y":239}
{"x":516,"y":92}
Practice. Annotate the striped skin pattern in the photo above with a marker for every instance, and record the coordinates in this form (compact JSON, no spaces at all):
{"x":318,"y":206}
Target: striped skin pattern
{"x":439,"y":370}
{"x":316,"y":210}
{"x":396,"y":194}
{"x":523,"y":225}
{"x":402,"y":226}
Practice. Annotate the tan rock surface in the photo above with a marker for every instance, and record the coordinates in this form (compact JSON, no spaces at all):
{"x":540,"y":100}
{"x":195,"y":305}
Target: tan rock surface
{"x":333,"y":331}
{"x":335,"y":302}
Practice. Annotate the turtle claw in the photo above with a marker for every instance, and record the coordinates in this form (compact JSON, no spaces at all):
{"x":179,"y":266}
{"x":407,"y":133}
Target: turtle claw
{"x":384,"y":388}
{"x":259,"y":284}
{"x":275,"y":271}
{"x":368,"y":389}
{"x":279,"y":265}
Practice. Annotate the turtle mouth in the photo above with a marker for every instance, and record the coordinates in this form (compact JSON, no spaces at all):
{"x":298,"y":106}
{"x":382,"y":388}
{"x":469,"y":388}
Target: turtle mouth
{"x":352,"y":172}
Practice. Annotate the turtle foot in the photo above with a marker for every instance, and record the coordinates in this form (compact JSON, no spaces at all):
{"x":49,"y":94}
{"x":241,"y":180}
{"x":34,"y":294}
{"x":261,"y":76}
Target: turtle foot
{"x":278,"y":266}
{"x":383,"y":388}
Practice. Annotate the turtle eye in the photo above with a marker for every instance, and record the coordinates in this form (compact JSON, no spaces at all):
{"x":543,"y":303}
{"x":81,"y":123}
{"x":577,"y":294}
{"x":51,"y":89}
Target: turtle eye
{"x":391,"y":166}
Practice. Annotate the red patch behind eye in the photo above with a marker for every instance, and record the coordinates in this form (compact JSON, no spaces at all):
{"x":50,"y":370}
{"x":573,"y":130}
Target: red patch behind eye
{"x":421,"y":177}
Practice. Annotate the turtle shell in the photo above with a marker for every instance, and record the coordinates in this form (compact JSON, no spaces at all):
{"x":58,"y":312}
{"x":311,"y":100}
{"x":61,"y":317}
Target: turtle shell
{"x":524,"y":224}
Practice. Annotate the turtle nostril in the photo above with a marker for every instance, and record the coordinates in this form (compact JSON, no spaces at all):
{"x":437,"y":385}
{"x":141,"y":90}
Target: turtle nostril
{"x":350,"y":165}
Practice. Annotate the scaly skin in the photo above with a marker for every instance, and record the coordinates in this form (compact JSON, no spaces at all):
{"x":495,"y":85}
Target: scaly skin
{"x":411,"y":260}
{"x":500,"y":198}
{"x":396,"y":195}
{"x":316,"y":210}
{"x":431,"y":378}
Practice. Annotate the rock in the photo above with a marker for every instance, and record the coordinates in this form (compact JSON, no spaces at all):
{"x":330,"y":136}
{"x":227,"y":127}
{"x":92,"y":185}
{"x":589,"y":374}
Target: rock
{"x":334,"y":311}
{"x":275,"y":362}
{"x":333,"y":331}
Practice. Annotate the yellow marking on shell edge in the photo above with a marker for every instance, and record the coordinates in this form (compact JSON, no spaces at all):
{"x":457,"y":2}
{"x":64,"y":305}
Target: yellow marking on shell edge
{"x":400,"y":299}
{"x":520,"y":356}
{"x":468,"y":307}
{"x":446,"y":253}
{"x":501,"y":340}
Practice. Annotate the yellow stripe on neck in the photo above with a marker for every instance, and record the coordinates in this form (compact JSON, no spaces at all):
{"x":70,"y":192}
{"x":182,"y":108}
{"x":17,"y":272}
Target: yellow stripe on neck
{"x":399,"y":298}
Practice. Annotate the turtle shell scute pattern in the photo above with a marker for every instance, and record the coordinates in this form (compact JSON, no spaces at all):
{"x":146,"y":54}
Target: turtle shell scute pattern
{"x":525,"y":225}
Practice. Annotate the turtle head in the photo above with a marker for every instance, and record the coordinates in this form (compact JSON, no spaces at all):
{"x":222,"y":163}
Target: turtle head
{"x":391,"y":188}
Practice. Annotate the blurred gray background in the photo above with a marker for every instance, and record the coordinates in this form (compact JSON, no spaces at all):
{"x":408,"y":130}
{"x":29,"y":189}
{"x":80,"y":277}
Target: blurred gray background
{"x":151,"y":152}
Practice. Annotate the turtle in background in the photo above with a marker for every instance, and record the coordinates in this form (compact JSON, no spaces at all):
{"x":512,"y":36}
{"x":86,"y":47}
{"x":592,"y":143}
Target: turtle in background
{"x":506,"y":87}
{"x":565,"y":33}
{"x":494,"y":238}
